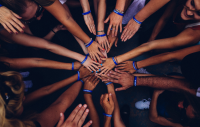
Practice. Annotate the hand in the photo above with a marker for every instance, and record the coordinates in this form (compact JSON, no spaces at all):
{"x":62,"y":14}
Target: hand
{"x":126,"y":66}
{"x":59,"y":27}
{"x":94,"y":52}
{"x":76,"y":118}
{"x":90,"y":23}
{"x":77,"y":65}
{"x":91,"y":82}
{"x":107,"y":103}
{"x":122,"y":78}
{"x":103,"y":41}
{"x":107,"y":66}
{"x":84,"y":72}
{"x":112,"y":40}
{"x":130,"y":29}
{"x":9,"y":20}
{"x":91,"y":65}
{"x":115,"y":22}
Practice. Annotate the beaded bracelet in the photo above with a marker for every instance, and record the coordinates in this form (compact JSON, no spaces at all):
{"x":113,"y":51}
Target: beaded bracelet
{"x":85,"y":59}
{"x":101,"y":35}
{"x":134,"y":66}
{"x":85,"y":90}
{"x":85,"y":13}
{"x":135,"y":80}
{"x":136,"y":20}
{"x":1,"y":5}
{"x":114,"y":61}
{"x":108,"y":115}
{"x":108,"y":83}
{"x":78,"y":75}
{"x":72,"y":65}
{"x":118,"y":13}
{"x":88,"y":44}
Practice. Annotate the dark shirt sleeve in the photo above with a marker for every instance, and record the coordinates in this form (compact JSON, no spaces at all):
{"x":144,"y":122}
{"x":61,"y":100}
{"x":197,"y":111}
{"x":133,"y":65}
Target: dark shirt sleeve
{"x":45,"y":2}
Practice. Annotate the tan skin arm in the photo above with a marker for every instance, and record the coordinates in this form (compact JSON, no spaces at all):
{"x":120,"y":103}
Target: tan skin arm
{"x":153,"y":115}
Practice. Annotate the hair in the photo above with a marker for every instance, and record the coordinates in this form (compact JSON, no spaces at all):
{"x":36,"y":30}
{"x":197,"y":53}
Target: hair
{"x":10,"y":109}
{"x":17,"y":6}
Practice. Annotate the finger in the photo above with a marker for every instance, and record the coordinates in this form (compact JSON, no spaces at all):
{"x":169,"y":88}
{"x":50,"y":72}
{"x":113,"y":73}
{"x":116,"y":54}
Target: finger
{"x":113,"y":31}
{"x":74,"y":112}
{"x":116,"y":42}
{"x":124,"y":33}
{"x":16,"y":26}
{"x":93,"y":29}
{"x":105,"y":98}
{"x":61,"y":120}
{"x":89,"y":68}
{"x":120,"y":89}
{"x":16,"y":15}
{"x":119,"y":71}
{"x":80,"y":113}
{"x":111,"y":80}
{"x":120,"y":68}
{"x":93,"y":56}
{"x":110,"y":99}
{"x":101,"y":99}
{"x":109,"y":28}
{"x":106,"y":21}
{"x":120,"y":27}
{"x":96,"y":81}
{"x":5,"y":27}
{"x":83,"y":117}
{"x":88,"y":124}
{"x":103,"y":70}
{"x":18,"y":22}
{"x":116,"y":30}
{"x":11,"y":28}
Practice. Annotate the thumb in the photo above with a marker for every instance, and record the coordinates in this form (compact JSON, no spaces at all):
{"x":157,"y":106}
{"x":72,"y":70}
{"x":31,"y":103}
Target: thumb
{"x":116,"y":42}
{"x":61,"y":120}
{"x":106,"y":21}
{"x":120,"y":89}
{"x":16,"y":15}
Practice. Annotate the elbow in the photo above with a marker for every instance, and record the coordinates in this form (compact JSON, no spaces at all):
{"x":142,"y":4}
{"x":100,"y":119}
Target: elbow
{"x":153,"y":118}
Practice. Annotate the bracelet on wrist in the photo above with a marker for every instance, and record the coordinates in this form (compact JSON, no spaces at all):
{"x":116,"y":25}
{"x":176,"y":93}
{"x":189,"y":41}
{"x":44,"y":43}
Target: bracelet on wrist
{"x":82,"y":81}
{"x":89,"y":43}
{"x":1,"y":5}
{"x":108,"y":115}
{"x":108,"y":83}
{"x":136,"y":20}
{"x":113,"y":58}
{"x":118,"y":12}
{"x":53,"y":31}
{"x":101,"y":31}
{"x":135,"y":80}
{"x":72,"y":65}
{"x":78,"y":75}
{"x":101,"y":35}
{"x":88,"y":91}
{"x":85,"y":13}
{"x":134,"y":65}
{"x":85,"y":59}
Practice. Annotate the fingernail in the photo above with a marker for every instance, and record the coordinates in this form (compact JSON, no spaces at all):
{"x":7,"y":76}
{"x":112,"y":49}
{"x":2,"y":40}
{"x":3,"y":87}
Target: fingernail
{"x":80,"y":105}
{"x":115,"y":89}
{"x":84,"y":105}
{"x":87,"y":110}
{"x":95,"y":61}
{"x":99,"y":69}
{"x":96,"y":71}
{"x":60,"y":114}
{"x":103,"y":49}
{"x":90,"y":121}
{"x":99,"y":61}
{"x":92,"y":71}
{"x":101,"y":64}
{"x":110,"y":94}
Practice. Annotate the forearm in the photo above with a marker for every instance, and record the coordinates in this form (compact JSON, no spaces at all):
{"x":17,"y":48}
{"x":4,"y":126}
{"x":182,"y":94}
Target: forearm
{"x":120,"y":5}
{"x":49,"y":89}
{"x":85,"y":5}
{"x":93,"y":113}
{"x":153,"y":114}
{"x":151,"y":7}
{"x":107,"y":121}
{"x":23,"y":63}
{"x":166,"y":83}
{"x":101,"y":14}
{"x":58,"y":11}
{"x":51,"y":34}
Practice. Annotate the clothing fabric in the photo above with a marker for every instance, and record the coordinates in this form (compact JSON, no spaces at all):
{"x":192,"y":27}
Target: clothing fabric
{"x":45,"y":2}
{"x":132,"y":10}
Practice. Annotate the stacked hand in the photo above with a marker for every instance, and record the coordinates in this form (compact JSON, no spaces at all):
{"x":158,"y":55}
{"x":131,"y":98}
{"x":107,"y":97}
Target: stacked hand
{"x":76,"y":118}
{"x":107,"y":103}
{"x":91,"y":82}
{"x":112,"y":40}
{"x":91,"y":65}
{"x":84,"y":72}
{"x":126,"y":66}
{"x":103,"y":41}
{"x":90,"y":23}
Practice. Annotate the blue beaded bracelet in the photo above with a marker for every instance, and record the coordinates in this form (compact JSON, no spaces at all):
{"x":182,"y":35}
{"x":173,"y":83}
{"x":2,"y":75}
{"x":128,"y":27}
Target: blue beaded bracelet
{"x":89,"y":43}
{"x":1,"y":5}
{"x":85,"y":13}
{"x":72,"y":65}
{"x":136,"y":20}
{"x":134,"y":66}
{"x":84,"y":59}
{"x":114,"y":61}
{"x":101,"y":35}
{"x":108,"y":83}
{"x":135,"y":80}
{"x":108,"y":115}
{"x":118,"y":13}
{"x":85,"y":90}
{"x":78,"y":75}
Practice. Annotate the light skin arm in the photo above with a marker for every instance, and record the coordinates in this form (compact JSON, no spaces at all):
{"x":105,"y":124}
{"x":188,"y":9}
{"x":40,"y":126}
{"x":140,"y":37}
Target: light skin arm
{"x":23,"y":63}
{"x":58,"y":11}
{"x":51,"y":34}
{"x":187,"y":37}
{"x":132,"y":27}
{"x":153,"y":115}
{"x":163,"y":20}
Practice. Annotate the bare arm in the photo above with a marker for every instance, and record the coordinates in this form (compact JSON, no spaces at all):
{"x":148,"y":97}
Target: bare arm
{"x":107,"y":121}
{"x":22,"y":63}
{"x":153,"y":115}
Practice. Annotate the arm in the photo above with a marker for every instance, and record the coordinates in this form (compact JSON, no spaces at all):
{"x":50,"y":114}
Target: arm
{"x":22,"y":63}
{"x":51,"y":34}
{"x":116,"y":113}
{"x":107,"y":121}
{"x":163,"y":20}
{"x":153,"y":115}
